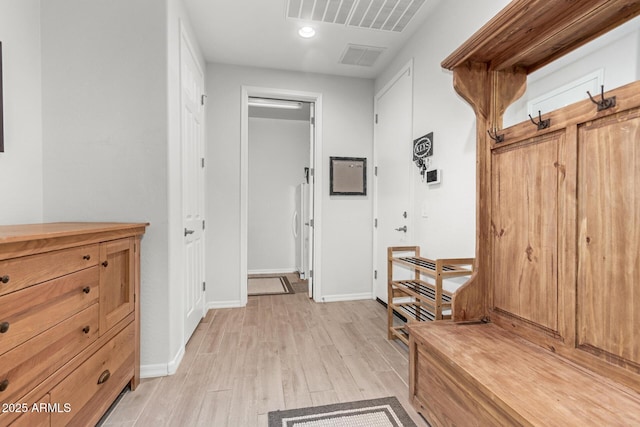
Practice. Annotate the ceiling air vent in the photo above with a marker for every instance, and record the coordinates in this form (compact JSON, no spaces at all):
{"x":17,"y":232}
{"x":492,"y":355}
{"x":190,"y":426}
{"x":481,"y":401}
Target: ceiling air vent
{"x":385,"y":15}
{"x":332,"y":11}
{"x":364,"y":56}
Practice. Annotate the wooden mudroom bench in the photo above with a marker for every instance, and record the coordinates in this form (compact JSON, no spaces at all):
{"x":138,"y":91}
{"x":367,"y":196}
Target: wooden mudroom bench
{"x":483,"y":375}
{"x":545,"y":332}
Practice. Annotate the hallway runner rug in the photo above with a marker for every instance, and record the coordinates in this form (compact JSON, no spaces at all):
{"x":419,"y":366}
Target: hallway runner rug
{"x":268,"y":285}
{"x":385,"y":412}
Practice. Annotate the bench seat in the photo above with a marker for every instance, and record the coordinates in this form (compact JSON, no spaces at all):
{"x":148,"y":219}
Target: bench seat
{"x":481,"y":374}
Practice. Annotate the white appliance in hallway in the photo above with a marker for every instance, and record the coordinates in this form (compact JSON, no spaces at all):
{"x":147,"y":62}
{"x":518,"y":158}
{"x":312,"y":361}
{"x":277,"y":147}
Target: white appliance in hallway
{"x":301,"y":229}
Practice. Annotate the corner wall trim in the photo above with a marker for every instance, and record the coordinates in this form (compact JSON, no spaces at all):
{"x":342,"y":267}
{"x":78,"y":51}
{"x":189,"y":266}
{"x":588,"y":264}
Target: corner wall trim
{"x":212,"y":305}
{"x":153,"y":371}
{"x":162,"y":369}
{"x":347,"y":297}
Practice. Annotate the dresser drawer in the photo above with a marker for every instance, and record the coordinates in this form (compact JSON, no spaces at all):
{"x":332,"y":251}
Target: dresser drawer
{"x":18,"y":273}
{"x":90,"y":389}
{"x":37,"y":415}
{"x":28,"y":312}
{"x":30,"y":363}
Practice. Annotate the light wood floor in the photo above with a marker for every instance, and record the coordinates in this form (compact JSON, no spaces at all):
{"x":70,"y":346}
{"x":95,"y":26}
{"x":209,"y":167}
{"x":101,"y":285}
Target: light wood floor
{"x":278,"y":352}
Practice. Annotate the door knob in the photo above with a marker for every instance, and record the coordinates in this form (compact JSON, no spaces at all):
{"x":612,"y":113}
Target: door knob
{"x":403,"y":228}
{"x":187,"y":232}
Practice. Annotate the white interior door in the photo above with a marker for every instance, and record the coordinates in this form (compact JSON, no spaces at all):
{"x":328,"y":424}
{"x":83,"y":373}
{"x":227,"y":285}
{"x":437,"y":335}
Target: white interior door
{"x":309,"y":202}
{"x":192,"y":140}
{"x":393,"y":180}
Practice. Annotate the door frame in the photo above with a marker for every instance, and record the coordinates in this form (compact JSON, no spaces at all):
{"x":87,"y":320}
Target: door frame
{"x":185,"y":44}
{"x":408,"y":67}
{"x":293,"y":95}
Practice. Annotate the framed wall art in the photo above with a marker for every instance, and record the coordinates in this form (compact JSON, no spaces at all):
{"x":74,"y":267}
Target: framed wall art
{"x":348,"y":176}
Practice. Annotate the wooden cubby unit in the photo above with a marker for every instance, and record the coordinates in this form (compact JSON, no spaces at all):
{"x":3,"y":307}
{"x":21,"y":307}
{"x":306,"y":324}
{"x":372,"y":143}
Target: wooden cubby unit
{"x":417,"y":299}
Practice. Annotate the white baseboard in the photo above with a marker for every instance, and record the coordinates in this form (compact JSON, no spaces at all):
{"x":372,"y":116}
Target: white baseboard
{"x":212,"y":305}
{"x":347,"y":297}
{"x":162,"y":369}
{"x":172,"y":366}
{"x":274,"y":271}
{"x":153,"y":371}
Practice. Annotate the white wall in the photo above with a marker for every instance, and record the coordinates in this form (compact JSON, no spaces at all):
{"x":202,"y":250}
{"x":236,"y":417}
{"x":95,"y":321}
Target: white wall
{"x":346,"y":222}
{"x":278,"y":154}
{"x":21,"y":162}
{"x":106,"y":136}
{"x":449,"y":227}
{"x":615,"y":56}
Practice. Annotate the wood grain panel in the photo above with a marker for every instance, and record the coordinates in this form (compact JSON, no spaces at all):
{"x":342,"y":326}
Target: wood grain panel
{"x":39,"y":414}
{"x":475,"y":84}
{"x":492,"y":371}
{"x":533,"y":33}
{"x":20,"y":273}
{"x":83,"y":391}
{"x":524,"y":230}
{"x":28,"y":364}
{"x":117,"y":281}
{"x":30,"y":239}
{"x":33,"y":310}
{"x":609,"y":238}
{"x":446,"y":400}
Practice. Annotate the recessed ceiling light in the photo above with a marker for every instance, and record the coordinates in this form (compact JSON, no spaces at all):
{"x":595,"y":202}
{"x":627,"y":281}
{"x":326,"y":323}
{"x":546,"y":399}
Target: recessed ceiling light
{"x":306,"y":32}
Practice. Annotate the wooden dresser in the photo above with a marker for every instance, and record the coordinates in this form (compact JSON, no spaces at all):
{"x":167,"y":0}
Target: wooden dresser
{"x":69,"y":320}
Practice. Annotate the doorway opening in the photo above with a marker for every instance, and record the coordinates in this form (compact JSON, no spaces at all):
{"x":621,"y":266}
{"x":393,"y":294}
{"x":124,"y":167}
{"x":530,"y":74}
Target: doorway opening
{"x":280,"y":142}
{"x":279,"y":199}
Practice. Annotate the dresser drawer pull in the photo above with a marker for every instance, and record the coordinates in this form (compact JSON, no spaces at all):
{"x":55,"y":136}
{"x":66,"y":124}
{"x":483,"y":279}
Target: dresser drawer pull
{"x":4,"y":279}
{"x":105,"y":263}
{"x":86,"y":289}
{"x":4,"y":384}
{"x":86,"y":329}
{"x":4,"y":327}
{"x":86,"y":257}
{"x":104,"y":377}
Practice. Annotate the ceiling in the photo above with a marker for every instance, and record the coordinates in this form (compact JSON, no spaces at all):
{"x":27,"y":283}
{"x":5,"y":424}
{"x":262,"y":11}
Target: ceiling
{"x":264,"y":33}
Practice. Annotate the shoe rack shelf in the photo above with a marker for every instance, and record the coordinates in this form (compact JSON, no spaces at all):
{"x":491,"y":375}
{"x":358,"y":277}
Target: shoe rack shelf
{"x":420,"y":298}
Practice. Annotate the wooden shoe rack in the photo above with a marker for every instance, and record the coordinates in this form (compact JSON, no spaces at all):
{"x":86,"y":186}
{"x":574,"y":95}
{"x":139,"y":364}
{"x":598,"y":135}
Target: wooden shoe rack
{"x":417,"y":299}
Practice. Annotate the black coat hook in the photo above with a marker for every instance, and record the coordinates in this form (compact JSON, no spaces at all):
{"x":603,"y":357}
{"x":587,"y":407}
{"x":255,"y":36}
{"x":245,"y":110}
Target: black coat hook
{"x":542,"y":124}
{"x":497,"y":138}
{"x":604,"y":103}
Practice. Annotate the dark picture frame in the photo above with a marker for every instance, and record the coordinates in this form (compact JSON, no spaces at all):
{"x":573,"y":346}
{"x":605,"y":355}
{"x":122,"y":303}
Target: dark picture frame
{"x":347,"y":176}
{"x":1,"y":106}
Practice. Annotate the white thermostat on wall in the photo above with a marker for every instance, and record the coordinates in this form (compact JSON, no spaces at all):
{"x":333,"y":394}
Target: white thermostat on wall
{"x":433,"y":176}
